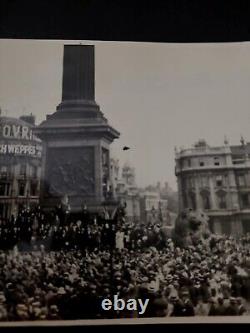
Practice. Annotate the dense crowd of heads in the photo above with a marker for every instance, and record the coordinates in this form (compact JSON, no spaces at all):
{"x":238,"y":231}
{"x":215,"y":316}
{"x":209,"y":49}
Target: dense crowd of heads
{"x":33,"y":228}
{"x":44,"y":281}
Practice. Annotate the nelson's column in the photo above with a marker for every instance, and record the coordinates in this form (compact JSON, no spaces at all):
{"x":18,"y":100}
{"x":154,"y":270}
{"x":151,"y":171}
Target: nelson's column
{"x":76,"y":138}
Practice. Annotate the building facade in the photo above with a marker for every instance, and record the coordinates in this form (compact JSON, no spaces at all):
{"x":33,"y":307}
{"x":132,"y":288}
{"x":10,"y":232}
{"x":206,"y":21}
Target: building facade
{"x":20,"y":165}
{"x":216,"y":180}
{"x":153,"y":208}
{"x":126,"y":191}
{"x":114,"y":177}
{"x":142,"y":205}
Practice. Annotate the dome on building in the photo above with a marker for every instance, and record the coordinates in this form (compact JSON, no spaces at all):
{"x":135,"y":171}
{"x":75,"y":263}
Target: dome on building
{"x":201,"y":143}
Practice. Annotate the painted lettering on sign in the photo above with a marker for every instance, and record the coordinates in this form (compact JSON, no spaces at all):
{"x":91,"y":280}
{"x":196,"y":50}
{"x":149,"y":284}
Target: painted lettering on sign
{"x":17,"y":132}
{"x":35,"y":151}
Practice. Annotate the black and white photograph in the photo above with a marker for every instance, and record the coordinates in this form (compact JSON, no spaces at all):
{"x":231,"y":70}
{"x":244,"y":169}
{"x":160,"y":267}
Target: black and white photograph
{"x":124,"y":181}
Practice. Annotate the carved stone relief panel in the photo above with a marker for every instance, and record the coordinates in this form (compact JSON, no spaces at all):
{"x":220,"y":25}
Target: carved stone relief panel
{"x":70,"y":171}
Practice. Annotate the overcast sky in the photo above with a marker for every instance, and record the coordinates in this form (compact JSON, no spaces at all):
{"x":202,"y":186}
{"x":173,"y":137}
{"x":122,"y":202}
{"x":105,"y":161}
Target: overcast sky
{"x":157,"y":95}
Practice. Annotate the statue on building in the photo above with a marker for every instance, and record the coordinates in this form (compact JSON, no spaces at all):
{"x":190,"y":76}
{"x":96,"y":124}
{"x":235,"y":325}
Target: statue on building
{"x":242,"y":140}
{"x":191,"y":228}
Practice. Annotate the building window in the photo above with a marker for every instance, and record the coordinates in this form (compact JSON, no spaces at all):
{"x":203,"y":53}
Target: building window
{"x":216,"y":161}
{"x":201,"y":163}
{"x":219,"y":181}
{"x":241,"y":180}
{"x":206,"y":201}
{"x":190,"y":182}
{"x":21,"y":189}
{"x":23,"y":169}
{"x":222,"y":201}
{"x":189,"y":162}
{"x":7,"y":189}
{"x":193,"y":200}
{"x":33,"y":189}
{"x":245,"y":200}
{"x":4,"y":171}
{"x":204,"y":181}
{"x":33,"y":172}
{"x":4,"y":189}
{"x":185,"y":204}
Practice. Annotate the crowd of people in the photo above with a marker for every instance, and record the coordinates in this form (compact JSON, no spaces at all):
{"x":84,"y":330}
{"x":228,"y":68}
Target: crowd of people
{"x":50,"y":273}
{"x":57,"y":231}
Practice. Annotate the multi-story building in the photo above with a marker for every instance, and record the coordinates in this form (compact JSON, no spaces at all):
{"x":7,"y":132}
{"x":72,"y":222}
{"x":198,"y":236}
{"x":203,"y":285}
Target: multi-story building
{"x":20,"y":165}
{"x":153,"y":207}
{"x":128,"y":192}
{"x":114,"y":177}
{"x":216,"y":180}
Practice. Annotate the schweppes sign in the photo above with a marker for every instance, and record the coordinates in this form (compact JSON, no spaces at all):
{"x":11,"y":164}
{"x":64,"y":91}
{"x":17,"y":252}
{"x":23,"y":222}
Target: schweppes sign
{"x":20,"y":149}
{"x":17,"y":139}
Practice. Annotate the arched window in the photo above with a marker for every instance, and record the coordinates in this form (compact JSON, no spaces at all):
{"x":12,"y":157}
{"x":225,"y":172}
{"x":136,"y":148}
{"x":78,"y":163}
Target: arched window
{"x":206,"y":200}
{"x":185,"y":203}
{"x":192,"y":200}
{"x":21,"y":189}
{"x":219,"y":180}
{"x":222,"y":199}
{"x":23,"y":169}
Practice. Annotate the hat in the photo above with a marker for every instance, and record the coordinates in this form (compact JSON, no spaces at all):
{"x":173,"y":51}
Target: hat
{"x":92,"y":286}
{"x":9,"y":285}
{"x":54,"y":308}
{"x":144,"y":279}
{"x":68,"y":288}
{"x":61,"y":291}
{"x":21,"y":307}
{"x":211,"y":300}
{"x":36,"y":304}
{"x":239,"y":300}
